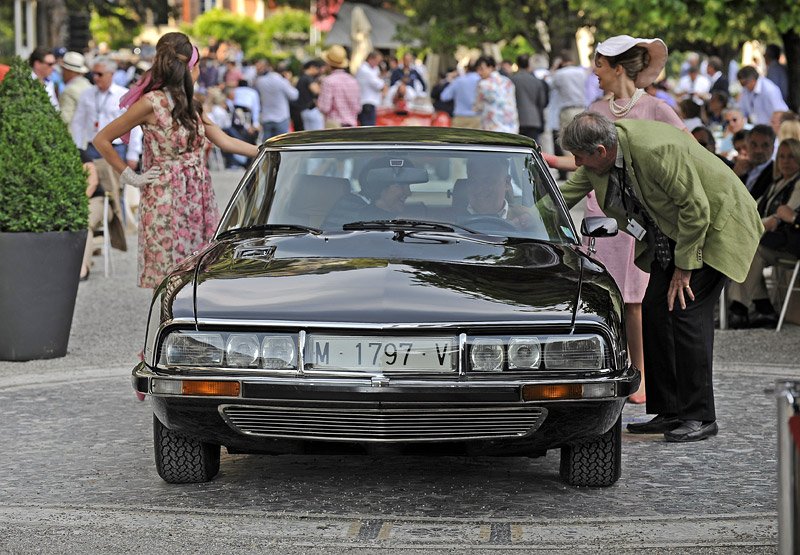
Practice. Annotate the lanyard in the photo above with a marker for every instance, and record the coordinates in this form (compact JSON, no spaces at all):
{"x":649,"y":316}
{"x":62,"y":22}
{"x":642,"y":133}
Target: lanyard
{"x":100,"y":107}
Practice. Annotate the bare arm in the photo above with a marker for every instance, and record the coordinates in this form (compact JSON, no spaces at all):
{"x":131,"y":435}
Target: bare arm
{"x":141,"y":112}
{"x":226,"y":142}
{"x":92,"y":180}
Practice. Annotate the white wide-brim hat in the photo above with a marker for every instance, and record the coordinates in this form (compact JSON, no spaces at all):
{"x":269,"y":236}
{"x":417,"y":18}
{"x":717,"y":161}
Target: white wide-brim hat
{"x":615,"y":46}
{"x":74,"y":61}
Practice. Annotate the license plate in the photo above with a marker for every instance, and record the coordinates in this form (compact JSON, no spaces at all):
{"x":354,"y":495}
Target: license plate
{"x":420,"y":354}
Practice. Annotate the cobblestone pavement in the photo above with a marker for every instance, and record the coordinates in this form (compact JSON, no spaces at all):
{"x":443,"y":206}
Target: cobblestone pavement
{"x":78,"y":472}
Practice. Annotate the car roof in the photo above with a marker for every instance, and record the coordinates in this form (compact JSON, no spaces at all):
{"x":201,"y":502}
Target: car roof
{"x":408,"y":135}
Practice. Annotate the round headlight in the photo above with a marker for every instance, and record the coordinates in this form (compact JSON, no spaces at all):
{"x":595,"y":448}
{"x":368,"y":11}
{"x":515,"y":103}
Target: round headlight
{"x":241,"y":351}
{"x":524,"y":352}
{"x":487,"y":355}
{"x":277,"y":352}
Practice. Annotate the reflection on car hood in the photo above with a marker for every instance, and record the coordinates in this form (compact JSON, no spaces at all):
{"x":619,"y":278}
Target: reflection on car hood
{"x":385,"y":277}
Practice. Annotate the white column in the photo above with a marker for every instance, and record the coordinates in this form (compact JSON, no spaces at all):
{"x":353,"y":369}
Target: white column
{"x":31,"y":24}
{"x":18,"y":32}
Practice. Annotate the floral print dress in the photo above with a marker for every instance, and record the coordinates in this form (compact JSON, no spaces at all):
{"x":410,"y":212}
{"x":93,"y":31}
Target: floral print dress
{"x":177,"y":212}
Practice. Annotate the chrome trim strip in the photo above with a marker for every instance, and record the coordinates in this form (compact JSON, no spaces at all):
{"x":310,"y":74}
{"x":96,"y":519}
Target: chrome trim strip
{"x":359,"y":145}
{"x":462,"y":354}
{"x":306,"y":324}
{"x":301,"y":352}
{"x":398,"y":383}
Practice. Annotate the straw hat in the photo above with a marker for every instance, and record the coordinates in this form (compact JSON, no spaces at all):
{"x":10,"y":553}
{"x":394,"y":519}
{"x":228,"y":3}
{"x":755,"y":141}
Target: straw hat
{"x":622,"y":43}
{"x":336,"y":57}
{"x":74,"y":61}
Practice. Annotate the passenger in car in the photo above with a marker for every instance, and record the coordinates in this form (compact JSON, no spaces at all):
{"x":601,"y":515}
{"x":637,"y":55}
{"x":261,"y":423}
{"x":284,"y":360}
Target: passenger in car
{"x":380,"y":198}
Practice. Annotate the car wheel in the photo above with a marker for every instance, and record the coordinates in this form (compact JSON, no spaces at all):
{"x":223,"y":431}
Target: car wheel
{"x":181,"y":459}
{"x":594,"y":463}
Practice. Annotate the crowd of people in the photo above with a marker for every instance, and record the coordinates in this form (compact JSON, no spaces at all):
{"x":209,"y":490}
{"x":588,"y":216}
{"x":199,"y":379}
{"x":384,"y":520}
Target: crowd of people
{"x":721,"y":166}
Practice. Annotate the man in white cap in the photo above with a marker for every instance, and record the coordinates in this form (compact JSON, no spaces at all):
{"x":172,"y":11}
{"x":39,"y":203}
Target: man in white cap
{"x":339,"y":96}
{"x":73,"y":66}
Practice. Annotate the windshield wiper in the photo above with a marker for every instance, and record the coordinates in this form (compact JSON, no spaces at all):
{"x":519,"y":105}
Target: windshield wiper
{"x":406,"y":225}
{"x":278,"y":228}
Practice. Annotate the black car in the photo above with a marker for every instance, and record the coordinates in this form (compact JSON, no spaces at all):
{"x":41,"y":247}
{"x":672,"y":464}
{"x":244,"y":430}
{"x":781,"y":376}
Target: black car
{"x":413,"y":289}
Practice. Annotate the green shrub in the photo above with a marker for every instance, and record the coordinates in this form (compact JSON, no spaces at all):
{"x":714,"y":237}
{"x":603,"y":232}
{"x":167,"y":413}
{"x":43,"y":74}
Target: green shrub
{"x":42,"y":181}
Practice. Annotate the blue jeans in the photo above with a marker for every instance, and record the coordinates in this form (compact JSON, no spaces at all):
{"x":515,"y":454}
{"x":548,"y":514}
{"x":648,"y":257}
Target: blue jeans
{"x":272,"y":128}
{"x":121,"y":149}
{"x":368,"y":116}
{"x":312,"y":119}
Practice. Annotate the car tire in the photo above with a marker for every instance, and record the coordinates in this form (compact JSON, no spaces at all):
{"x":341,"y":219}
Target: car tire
{"x":594,"y":463}
{"x":181,"y":459}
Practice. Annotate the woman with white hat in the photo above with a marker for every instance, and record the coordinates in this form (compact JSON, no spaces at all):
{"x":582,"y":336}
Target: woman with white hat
{"x":625,"y":65}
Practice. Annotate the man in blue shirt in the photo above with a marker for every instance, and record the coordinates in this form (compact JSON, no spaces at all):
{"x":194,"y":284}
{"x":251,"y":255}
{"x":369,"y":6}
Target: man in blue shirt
{"x":760,"y":96}
{"x":274,"y":94}
{"x":462,"y":91}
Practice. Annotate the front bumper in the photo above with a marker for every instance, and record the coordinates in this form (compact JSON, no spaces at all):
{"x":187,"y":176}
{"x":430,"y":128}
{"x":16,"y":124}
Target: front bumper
{"x":279,"y":415}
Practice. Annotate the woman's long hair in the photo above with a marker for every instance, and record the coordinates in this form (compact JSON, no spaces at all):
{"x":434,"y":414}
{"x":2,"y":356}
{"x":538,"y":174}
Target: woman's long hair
{"x":171,"y":73}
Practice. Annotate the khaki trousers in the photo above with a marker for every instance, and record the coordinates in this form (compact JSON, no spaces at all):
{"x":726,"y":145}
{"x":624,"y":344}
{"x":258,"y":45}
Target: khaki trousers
{"x":95,"y":219}
{"x":469,"y":122}
{"x":754,"y":287}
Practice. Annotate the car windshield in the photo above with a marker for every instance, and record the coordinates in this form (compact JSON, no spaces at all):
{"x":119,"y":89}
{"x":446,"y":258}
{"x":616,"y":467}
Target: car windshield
{"x":501,"y":192}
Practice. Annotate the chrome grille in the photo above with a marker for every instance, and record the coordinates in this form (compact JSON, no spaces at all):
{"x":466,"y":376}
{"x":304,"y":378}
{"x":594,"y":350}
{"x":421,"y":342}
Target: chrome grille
{"x":384,"y":425}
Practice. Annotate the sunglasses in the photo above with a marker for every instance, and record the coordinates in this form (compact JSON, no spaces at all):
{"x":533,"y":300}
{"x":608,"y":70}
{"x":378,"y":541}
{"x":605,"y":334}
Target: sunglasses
{"x":99,"y":73}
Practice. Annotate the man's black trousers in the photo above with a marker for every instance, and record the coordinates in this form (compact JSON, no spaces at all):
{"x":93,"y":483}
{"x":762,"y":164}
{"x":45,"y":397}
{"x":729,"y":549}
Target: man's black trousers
{"x":679,"y":345}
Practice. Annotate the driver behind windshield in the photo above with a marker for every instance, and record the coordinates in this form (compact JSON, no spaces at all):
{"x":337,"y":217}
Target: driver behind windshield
{"x":487,"y":189}
{"x":381,"y":198}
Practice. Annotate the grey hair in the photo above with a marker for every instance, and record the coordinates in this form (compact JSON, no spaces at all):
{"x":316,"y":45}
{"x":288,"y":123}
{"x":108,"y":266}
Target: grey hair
{"x":106,"y":62}
{"x":587,"y":131}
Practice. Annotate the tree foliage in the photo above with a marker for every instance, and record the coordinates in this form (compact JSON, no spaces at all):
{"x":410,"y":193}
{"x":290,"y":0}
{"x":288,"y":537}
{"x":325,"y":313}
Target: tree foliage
{"x":546,"y":25}
{"x":42,"y":182}
{"x":224,"y":25}
{"x":710,"y":26}
{"x":128,"y":12}
{"x":283,"y":26}
{"x":113,"y":30}
{"x":256,"y":39}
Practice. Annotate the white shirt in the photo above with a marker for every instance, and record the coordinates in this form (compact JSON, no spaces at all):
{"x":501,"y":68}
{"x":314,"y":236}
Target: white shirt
{"x":370,"y":83}
{"x":51,"y":91}
{"x":96,"y":109}
{"x":700,"y":86}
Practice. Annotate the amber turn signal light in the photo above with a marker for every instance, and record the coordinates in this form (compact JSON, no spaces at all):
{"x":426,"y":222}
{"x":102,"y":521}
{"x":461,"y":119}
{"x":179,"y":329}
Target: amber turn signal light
{"x":211,"y":388}
{"x":544,"y":392}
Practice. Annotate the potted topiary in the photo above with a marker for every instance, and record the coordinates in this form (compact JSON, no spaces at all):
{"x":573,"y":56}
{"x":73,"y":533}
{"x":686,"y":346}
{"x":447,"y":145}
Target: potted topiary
{"x":43,"y":221}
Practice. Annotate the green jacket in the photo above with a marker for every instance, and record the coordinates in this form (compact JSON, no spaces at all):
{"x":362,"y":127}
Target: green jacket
{"x":695,"y":199}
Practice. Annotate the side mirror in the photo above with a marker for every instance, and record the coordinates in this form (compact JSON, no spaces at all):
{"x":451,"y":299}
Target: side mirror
{"x":598,"y":226}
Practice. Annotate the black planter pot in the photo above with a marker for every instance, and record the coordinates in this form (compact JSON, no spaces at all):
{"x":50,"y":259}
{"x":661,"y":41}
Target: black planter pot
{"x":39,"y":275}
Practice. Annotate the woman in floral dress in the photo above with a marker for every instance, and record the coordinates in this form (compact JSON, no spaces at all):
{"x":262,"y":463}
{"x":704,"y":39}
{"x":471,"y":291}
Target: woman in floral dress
{"x":178,"y":211}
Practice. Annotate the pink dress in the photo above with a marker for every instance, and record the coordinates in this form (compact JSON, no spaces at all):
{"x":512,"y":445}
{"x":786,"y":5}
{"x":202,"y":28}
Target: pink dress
{"x":177,"y":212}
{"x":617,"y":253}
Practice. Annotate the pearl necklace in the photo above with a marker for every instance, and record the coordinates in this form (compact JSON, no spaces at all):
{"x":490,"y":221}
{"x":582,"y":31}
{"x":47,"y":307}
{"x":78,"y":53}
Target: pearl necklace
{"x":623,"y":111}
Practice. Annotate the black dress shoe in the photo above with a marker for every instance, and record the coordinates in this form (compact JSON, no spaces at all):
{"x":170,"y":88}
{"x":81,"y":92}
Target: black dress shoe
{"x":692,"y":430}
{"x":761,"y":320}
{"x":738,"y":321}
{"x":658,"y":425}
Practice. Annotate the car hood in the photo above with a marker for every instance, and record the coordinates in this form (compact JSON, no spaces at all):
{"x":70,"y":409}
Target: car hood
{"x":377,"y":277}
